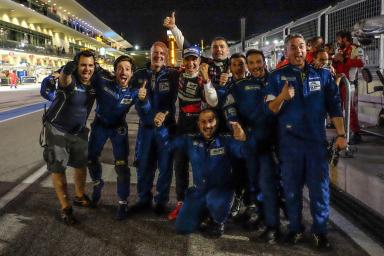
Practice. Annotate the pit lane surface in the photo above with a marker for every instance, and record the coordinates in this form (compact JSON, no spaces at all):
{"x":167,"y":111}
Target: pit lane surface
{"x":29,"y":224}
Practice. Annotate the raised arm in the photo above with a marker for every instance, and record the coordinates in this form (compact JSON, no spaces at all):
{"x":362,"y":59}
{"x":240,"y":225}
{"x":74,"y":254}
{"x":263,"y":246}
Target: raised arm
{"x":170,"y":23}
{"x":65,"y":78}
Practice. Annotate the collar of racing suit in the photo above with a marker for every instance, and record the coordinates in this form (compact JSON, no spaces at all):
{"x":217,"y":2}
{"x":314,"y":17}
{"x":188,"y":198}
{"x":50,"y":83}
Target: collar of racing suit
{"x":186,"y":75}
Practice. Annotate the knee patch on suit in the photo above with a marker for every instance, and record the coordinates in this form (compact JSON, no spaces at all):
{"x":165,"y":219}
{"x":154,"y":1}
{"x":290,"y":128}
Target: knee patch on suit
{"x":122,"y":171}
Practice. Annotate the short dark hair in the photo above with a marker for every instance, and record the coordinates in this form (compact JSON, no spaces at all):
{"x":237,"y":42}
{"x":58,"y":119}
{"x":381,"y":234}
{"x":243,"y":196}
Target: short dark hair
{"x":85,"y":53}
{"x":124,"y":58}
{"x":254,"y":51}
{"x":292,"y":36}
{"x":237,"y":56}
{"x":345,"y":34}
{"x":206,"y":110}
{"x":319,"y":51}
{"x":220,"y":38}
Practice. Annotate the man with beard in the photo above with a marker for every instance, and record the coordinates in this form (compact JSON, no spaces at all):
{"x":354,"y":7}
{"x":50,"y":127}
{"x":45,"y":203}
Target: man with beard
{"x":66,"y":132}
{"x":213,"y":191}
{"x":114,"y":99}
{"x":194,"y":92}
{"x":348,"y":58}
{"x":238,"y":70}
{"x":301,"y":96}
{"x":245,"y":104}
{"x":162,"y":87}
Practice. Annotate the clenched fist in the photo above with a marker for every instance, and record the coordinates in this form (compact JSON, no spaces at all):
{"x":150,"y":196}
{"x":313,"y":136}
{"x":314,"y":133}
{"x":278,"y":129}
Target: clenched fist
{"x":159,"y":118}
{"x":203,"y":70}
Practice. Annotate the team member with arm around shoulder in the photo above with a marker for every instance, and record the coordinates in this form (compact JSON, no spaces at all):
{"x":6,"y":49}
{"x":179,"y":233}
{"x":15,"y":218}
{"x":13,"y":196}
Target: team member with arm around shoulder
{"x":219,"y":63}
{"x":194,"y":93}
{"x":245,"y":104}
{"x":162,"y":89}
{"x":114,"y":98}
{"x":66,"y":132}
{"x":301,"y":97}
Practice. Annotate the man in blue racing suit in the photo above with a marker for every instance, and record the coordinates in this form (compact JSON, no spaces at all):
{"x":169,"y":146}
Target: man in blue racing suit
{"x":162,"y":87}
{"x":245,"y":104}
{"x":114,"y":99}
{"x":302,"y":96}
{"x":213,"y":189}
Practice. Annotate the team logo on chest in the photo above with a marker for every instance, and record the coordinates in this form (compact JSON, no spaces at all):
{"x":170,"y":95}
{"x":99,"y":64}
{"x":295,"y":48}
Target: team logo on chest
{"x":126,"y":100}
{"x":314,"y":85}
{"x":164,"y":86}
{"x":191,"y":88}
{"x":217,"y":151}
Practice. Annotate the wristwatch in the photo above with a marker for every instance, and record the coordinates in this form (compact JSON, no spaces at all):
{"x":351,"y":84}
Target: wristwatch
{"x":340,"y":136}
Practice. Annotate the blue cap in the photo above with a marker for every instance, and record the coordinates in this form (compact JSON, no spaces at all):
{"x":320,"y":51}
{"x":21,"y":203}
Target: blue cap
{"x":191,"y":51}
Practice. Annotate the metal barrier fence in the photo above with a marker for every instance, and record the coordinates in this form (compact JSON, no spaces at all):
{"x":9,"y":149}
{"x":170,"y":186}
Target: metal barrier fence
{"x":328,"y":22}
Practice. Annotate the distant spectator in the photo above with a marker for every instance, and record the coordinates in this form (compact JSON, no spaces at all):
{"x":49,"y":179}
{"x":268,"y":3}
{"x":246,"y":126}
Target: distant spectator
{"x":317,"y":43}
{"x":13,"y":79}
{"x":348,"y":58}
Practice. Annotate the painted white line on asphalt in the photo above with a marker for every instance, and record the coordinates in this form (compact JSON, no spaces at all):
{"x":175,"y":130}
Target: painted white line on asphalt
{"x":358,"y":236}
{"x":2,"y":121}
{"x":353,"y":232}
{"x":13,"y":193}
{"x":21,"y":106}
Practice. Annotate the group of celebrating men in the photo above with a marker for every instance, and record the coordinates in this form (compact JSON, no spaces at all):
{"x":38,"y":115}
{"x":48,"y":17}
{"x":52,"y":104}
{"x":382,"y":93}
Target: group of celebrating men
{"x":245,"y":136}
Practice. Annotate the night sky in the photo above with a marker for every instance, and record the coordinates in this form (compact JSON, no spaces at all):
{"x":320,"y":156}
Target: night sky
{"x":140,"y":21}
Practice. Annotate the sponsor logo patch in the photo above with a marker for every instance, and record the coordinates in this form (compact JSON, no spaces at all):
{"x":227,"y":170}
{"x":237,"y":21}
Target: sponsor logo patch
{"x":217,"y":151}
{"x":164,"y":87}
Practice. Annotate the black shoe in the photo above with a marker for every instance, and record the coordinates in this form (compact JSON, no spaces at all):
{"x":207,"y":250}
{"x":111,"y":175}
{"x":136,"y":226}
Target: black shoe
{"x":321,"y":242}
{"x":270,"y":235}
{"x":83,"y":201}
{"x":96,"y":193}
{"x":122,"y":211}
{"x":160,"y":209}
{"x":205,"y":224}
{"x":135,"y":163}
{"x":235,"y":210}
{"x":252,"y":218}
{"x":141,"y":206}
{"x":215,"y":230}
{"x":67,"y":216}
{"x":293,"y":238}
{"x":355,"y":139}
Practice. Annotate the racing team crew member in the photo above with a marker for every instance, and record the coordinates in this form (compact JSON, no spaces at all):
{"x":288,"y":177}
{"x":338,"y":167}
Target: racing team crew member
{"x":346,"y":61}
{"x":114,"y":99}
{"x":48,"y":86}
{"x":66,"y":132}
{"x":301,"y":96}
{"x":194,"y":92}
{"x":218,"y":64}
{"x":238,"y":69}
{"x":162,"y":86}
{"x":213,"y":190}
{"x":245,"y":104}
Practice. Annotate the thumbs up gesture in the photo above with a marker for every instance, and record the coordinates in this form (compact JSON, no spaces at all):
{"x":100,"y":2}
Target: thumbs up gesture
{"x":170,"y":22}
{"x":142,"y":91}
{"x":288,"y":92}
{"x":238,"y":132}
{"x":159,"y":118}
